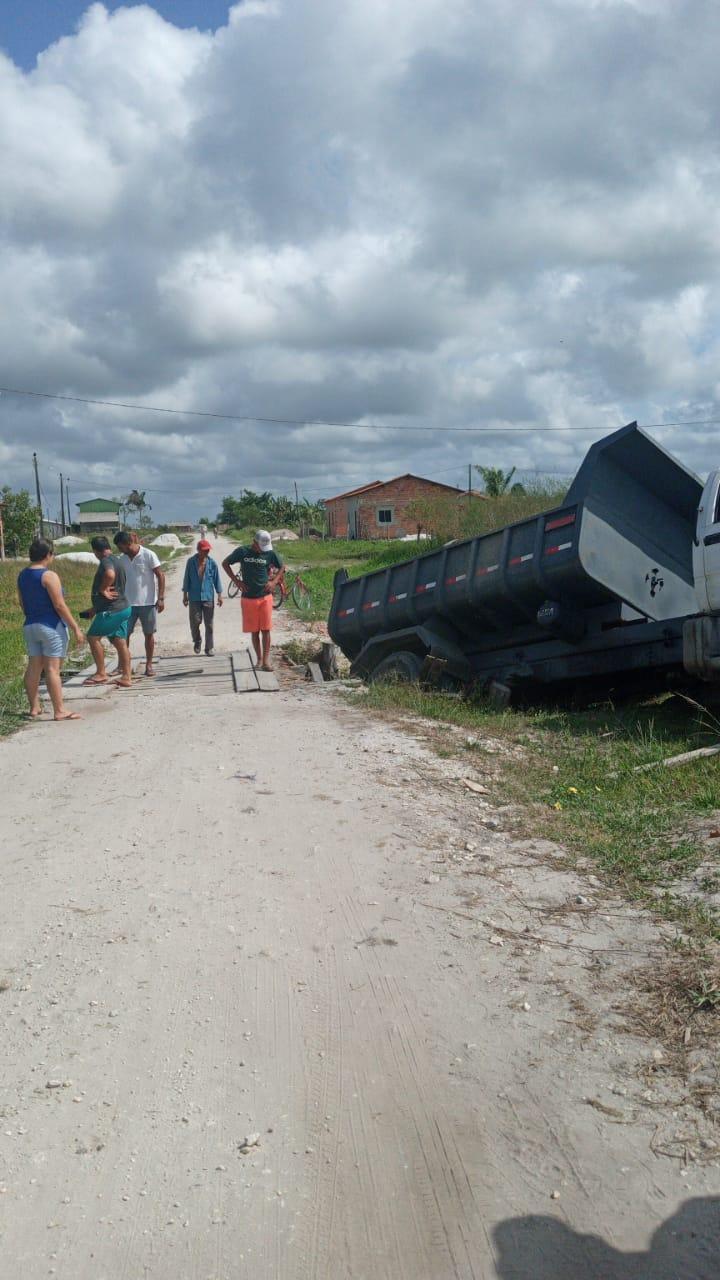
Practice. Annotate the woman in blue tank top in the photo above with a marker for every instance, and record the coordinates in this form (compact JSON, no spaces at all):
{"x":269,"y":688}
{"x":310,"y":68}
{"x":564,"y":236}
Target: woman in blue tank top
{"x":47,"y":619}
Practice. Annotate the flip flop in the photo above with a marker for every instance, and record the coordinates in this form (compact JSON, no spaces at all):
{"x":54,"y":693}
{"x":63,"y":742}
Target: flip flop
{"x":150,"y":671}
{"x":119,"y":685}
{"x":71,"y":715}
{"x":94,"y":680}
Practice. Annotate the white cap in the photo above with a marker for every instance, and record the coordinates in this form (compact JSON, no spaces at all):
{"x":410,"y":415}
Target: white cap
{"x":263,"y":539}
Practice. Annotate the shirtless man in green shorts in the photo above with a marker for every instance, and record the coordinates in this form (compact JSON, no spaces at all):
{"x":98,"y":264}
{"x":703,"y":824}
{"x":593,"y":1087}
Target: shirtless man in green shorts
{"x":110,"y":615}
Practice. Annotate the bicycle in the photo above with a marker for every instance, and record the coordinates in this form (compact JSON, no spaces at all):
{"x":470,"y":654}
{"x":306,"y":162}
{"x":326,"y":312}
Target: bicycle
{"x":300,"y":592}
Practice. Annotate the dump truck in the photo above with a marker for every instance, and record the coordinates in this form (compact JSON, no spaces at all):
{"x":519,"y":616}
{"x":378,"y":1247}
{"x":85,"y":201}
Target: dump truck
{"x":619,"y":587}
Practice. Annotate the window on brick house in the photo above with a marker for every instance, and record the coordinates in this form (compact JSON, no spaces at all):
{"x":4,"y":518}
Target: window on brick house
{"x":384,"y":515}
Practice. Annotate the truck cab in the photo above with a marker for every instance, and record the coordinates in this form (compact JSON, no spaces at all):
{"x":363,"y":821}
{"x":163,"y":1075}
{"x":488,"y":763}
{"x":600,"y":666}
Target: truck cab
{"x":706,"y":548}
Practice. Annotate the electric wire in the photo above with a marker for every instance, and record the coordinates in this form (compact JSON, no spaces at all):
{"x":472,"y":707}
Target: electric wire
{"x":321,"y":422}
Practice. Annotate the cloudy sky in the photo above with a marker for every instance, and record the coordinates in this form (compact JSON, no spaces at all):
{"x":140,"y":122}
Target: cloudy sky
{"x":450,"y":214}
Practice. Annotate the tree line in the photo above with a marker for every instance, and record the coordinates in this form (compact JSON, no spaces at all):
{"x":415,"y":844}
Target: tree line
{"x":268,"y":510}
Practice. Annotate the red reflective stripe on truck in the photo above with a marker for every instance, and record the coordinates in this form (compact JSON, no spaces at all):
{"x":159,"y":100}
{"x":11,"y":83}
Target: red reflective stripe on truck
{"x":372,"y":604}
{"x":402,"y":595}
{"x":552,"y":551}
{"x":521,"y":559}
{"x":560,"y":522}
{"x":460,"y":577}
{"x":425,"y":586}
{"x":490,"y":568}
{"x":345,"y":613}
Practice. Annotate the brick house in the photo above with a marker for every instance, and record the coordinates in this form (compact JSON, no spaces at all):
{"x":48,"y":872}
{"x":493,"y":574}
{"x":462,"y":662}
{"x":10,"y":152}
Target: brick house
{"x":379,"y":509}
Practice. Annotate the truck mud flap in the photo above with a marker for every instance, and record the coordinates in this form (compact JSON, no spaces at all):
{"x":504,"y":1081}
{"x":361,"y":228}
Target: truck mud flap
{"x":701,"y":648}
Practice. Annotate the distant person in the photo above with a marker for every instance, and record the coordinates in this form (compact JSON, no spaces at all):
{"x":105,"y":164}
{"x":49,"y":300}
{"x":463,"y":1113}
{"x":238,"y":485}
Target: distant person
{"x":145,"y":589}
{"x":201,"y":584}
{"x":257,"y":562}
{"x":45,"y":632}
{"x":110,"y":615}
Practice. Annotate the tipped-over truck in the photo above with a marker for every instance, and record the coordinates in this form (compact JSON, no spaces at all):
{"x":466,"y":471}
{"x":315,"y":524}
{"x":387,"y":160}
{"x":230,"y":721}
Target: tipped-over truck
{"x":617,"y":587}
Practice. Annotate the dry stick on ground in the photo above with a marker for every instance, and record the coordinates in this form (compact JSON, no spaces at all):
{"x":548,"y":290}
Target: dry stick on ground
{"x":533,"y":937}
{"x":671,"y":761}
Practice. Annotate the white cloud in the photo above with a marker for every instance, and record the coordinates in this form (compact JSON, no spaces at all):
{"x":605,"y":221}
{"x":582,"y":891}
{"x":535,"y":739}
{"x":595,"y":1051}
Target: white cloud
{"x":426,"y":212}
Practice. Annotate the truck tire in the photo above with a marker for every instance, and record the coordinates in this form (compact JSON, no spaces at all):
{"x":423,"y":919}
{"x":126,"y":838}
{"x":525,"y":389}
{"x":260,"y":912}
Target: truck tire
{"x":403,"y":667}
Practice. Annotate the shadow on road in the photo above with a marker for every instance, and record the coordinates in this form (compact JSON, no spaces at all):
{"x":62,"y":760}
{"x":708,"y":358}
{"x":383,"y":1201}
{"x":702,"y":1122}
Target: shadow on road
{"x":685,"y":1247}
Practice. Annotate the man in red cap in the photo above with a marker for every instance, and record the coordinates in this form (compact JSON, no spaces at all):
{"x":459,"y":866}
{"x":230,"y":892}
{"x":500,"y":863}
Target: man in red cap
{"x":200,"y":586}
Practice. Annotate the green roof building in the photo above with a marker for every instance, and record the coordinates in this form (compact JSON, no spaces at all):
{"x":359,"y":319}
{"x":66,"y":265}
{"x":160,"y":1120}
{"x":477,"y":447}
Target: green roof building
{"x":98,"y":514}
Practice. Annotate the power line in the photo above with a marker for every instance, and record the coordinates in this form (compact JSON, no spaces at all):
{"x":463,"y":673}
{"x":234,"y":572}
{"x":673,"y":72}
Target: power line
{"x":310,"y":422}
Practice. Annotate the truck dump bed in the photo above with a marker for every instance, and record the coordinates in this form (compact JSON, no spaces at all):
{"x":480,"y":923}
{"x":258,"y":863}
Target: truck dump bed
{"x":624,"y":534}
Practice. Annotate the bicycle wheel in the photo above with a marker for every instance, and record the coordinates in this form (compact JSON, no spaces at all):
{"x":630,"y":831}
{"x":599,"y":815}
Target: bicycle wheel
{"x":277,"y":597}
{"x":233,"y":590}
{"x":301,"y":595}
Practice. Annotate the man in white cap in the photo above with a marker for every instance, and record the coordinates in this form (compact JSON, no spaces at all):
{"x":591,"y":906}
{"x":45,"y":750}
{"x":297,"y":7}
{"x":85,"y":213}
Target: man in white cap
{"x":257,"y":563}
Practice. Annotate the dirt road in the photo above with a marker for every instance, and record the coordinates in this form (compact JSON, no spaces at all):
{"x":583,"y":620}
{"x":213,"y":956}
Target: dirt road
{"x":264,"y":1016}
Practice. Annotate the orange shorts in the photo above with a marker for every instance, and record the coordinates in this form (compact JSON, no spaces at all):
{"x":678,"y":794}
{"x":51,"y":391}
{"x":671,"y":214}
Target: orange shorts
{"x":257,"y":613}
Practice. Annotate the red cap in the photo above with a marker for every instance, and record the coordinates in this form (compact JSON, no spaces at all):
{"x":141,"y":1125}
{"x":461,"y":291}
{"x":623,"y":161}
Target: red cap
{"x":204,"y":545}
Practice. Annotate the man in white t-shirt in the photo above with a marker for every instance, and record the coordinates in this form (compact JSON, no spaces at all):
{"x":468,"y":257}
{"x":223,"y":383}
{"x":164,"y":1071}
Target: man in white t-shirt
{"x":145,"y":589}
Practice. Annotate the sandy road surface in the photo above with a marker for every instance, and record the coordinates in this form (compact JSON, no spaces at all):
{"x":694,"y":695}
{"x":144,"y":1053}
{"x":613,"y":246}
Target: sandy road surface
{"x":194,"y":956}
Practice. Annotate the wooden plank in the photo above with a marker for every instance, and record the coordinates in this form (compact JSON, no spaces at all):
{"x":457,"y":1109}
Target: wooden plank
{"x":243,"y":672}
{"x":267,"y":681}
{"x":245,"y":682}
{"x":314,"y":673}
{"x":249,"y":678}
{"x":242,"y":660}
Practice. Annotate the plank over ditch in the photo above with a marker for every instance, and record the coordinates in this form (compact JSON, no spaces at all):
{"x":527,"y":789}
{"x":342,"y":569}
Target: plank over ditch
{"x":267,"y":681}
{"x":243,"y":673}
{"x":242,"y":660}
{"x":248,"y":678}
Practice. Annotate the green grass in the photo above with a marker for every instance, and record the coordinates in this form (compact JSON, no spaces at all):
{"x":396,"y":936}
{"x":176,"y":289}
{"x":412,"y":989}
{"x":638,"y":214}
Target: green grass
{"x":572,"y":774}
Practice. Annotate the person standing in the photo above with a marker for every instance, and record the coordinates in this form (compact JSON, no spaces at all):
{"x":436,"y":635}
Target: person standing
{"x":201,"y":584}
{"x":256,"y":563}
{"x":110,"y":615}
{"x":145,"y":589}
{"x":45,"y":632}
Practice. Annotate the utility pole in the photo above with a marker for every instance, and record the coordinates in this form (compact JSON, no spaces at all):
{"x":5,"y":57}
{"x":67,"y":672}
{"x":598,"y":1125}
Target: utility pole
{"x":469,"y":478}
{"x":37,"y":490}
{"x":67,"y":500}
{"x":297,"y":504}
{"x":62,"y":506}
{"x":2,"y":532}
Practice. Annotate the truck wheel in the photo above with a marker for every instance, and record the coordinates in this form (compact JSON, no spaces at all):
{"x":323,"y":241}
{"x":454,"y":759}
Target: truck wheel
{"x":403,"y":667}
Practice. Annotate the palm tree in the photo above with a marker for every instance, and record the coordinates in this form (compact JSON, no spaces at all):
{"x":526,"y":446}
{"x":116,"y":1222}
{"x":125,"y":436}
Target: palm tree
{"x":497,"y":482}
{"x":136,"y":501}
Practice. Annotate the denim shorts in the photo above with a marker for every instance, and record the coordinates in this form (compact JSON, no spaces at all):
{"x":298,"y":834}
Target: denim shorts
{"x":42,"y":641}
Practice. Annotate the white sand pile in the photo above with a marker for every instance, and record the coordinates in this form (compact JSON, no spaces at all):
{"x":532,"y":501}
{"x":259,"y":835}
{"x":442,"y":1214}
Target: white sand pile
{"x":78,"y":557}
{"x":68,"y":541}
{"x":166,"y":540}
{"x":284,"y":535}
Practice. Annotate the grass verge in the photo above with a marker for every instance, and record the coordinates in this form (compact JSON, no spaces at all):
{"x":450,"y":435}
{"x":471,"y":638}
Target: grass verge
{"x":573,"y":775}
